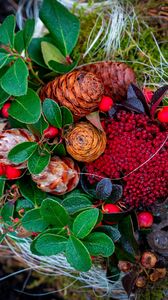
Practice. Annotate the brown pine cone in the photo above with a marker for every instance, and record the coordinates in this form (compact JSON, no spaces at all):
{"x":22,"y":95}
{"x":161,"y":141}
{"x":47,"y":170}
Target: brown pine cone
{"x":84,"y":142}
{"x":80,"y":91}
{"x":116,"y":77}
{"x":9,"y":139}
{"x":59,"y":177}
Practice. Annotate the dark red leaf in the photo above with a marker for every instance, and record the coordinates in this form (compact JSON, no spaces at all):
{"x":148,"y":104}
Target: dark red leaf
{"x":156,"y":99}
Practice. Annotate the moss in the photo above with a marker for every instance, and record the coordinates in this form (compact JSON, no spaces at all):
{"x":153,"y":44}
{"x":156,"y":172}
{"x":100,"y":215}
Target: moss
{"x":138,"y":47}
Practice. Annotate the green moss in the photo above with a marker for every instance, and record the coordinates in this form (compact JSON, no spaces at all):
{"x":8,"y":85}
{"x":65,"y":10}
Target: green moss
{"x":138,"y":47}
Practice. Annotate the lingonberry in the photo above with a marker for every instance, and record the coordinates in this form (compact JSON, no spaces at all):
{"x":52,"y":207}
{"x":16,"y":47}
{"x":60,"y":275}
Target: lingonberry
{"x":145,"y":219}
{"x":163,"y":115}
{"x":4,"y":110}
{"x":2,"y":169}
{"x":50,"y":132}
{"x":148,"y":94}
{"x":12,"y":172}
{"x":148,"y":260}
{"x":105,"y":104}
{"x":110,"y":209}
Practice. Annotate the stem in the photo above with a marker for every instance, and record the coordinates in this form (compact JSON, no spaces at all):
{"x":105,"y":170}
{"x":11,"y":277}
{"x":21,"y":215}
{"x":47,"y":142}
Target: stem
{"x":34,"y":73}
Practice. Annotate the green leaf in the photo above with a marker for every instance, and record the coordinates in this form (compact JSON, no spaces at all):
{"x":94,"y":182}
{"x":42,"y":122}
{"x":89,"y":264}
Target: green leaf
{"x":99,"y":243}
{"x":26,"y":109}
{"x":3,"y":97}
{"x":67,"y":117}
{"x":111,"y":231}
{"x":25,"y":204}
{"x":33,"y":221}
{"x":15,"y":123}
{"x":28,"y":32}
{"x":30,"y":191}
{"x":50,"y":52}
{"x":19,"y":41}
{"x":85,"y":222}
{"x":7,"y":30}
{"x":62,"y":25}
{"x":14,"y":81}
{"x":74,"y":203}
{"x":2,"y":185}
{"x":2,"y":236}
{"x":38,"y":161}
{"x":3,"y":58}
{"x":60,"y":150}
{"x":38,"y":127}
{"x":7,"y":212}
{"x":128,"y":239}
{"x":52,"y":113}
{"x":60,"y":68}
{"x":77,"y":255}
{"x":54,"y":213}
{"x":50,"y":244}
{"x":22,"y":152}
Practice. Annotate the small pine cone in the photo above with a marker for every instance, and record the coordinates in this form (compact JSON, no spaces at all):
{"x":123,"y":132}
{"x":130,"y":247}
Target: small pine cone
{"x":59,"y":177}
{"x":9,"y":139}
{"x":80,"y":91}
{"x":116,"y":77}
{"x":84,"y":142}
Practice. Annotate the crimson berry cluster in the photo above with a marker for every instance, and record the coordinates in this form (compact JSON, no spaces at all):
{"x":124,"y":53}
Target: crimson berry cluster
{"x":131,"y":140}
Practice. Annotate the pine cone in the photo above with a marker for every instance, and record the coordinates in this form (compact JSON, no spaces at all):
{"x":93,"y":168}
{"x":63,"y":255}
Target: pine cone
{"x":80,"y":91}
{"x":60,"y":176}
{"x":116,"y":77}
{"x":9,"y":139}
{"x":84,"y":142}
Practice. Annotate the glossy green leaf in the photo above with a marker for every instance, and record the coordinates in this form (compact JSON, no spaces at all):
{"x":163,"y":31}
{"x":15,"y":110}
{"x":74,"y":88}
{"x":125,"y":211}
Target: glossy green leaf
{"x":7,"y":212}
{"x":74,"y":203}
{"x":50,"y":244}
{"x":25,"y":204}
{"x":3,"y":97}
{"x":34,"y":51}
{"x":38,"y":161}
{"x":77,"y":255}
{"x":85,"y":222}
{"x":2,"y":185}
{"x":50,"y":52}
{"x":62,"y":25}
{"x":19,"y":41}
{"x":60,"y":150}
{"x":111,"y":231}
{"x":7,"y":31}
{"x":26,"y":109}
{"x":52,"y":113}
{"x":33,"y":221}
{"x":22,"y":152}
{"x":61,"y":68}
{"x":3,"y":58}
{"x":67,"y":117}
{"x":99,"y":243}
{"x":38,"y":127}
{"x":28,"y":32}
{"x":30,"y":191}
{"x":54,"y":213}
{"x":14,"y":81}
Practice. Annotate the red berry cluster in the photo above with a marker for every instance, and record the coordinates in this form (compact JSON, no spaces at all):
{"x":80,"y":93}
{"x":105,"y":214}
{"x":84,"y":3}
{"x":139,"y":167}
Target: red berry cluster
{"x":131,"y":140}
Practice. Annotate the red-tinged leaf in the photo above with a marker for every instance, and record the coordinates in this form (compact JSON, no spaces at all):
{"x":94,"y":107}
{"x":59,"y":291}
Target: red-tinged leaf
{"x":156,"y":99}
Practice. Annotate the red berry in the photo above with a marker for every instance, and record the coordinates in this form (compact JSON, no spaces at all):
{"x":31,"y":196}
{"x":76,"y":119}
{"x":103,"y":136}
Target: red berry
{"x":145,"y":219}
{"x":4,"y":110}
{"x":12,"y":172}
{"x":2,"y":169}
{"x":50,"y":132}
{"x":148,"y":94}
{"x":163,"y":114}
{"x":111,"y":209}
{"x":16,"y":220}
{"x":105,"y":104}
